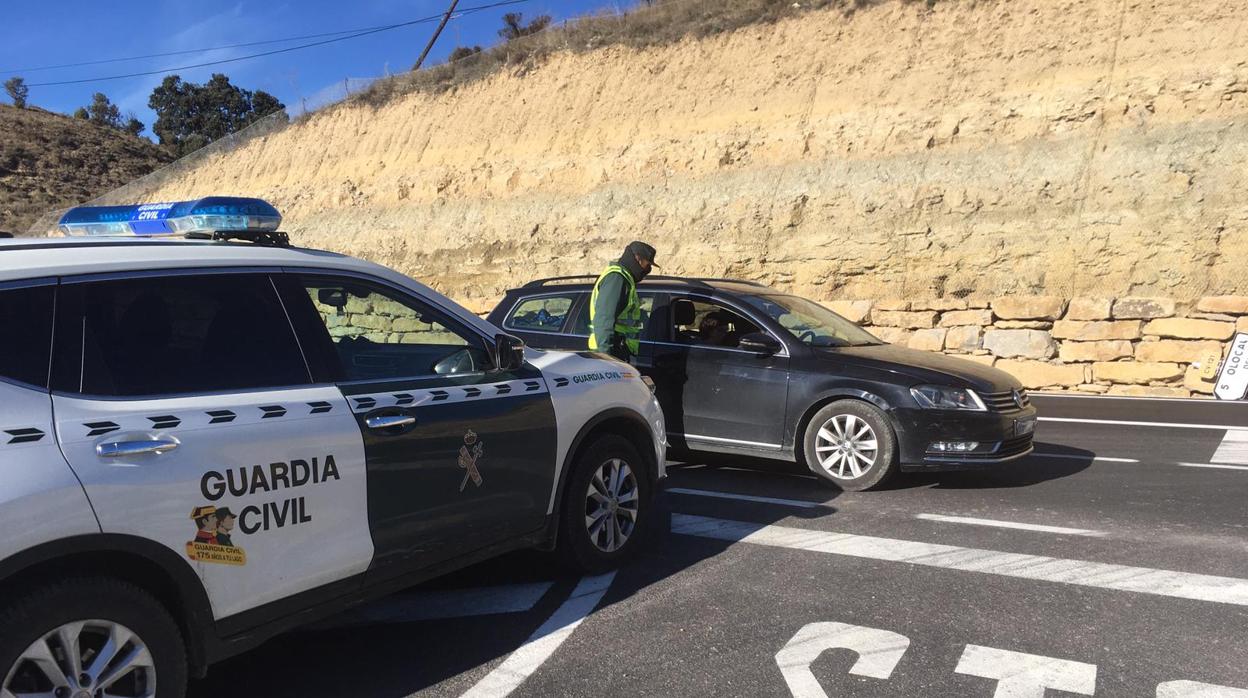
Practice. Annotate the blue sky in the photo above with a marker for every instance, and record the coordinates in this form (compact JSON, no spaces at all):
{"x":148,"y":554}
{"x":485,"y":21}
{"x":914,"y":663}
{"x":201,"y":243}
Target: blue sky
{"x":56,"y":32}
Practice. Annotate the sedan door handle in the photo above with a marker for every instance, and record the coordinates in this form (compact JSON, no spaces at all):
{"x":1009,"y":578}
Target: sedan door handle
{"x":389,"y":421}
{"x":138,"y":447}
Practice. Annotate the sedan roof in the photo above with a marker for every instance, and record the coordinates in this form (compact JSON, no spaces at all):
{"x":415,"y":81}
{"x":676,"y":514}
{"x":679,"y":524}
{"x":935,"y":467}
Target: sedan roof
{"x":666,"y":283}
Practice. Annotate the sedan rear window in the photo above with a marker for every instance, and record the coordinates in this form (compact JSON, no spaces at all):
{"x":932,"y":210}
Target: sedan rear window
{"x":543,"y":314}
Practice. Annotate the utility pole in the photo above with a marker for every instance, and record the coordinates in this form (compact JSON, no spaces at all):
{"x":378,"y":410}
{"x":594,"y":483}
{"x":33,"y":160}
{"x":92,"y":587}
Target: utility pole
{"x":445,"y":18}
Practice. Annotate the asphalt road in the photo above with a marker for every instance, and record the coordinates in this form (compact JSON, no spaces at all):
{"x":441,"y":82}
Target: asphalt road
{"x":1112,"y":563}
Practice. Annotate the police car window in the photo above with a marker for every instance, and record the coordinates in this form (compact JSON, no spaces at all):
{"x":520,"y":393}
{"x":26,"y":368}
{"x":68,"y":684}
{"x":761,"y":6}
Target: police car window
{"x":26,"y":313}
{"x":542,"y":314}
{"x":708,"y":324}
{"x":184,"y":334}
{"x":379,"y":335}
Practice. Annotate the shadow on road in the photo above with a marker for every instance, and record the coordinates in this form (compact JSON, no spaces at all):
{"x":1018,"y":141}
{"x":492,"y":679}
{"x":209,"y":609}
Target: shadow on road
{"x":445,"y":657}
{"x":1051,"y":461}
{"x":1057,"y":462}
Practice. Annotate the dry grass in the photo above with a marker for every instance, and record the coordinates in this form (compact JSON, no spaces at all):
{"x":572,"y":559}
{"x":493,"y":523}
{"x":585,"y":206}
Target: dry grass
{"x":658,"y":23}
{"x":82,"y":173}
{"x":48,"y":161}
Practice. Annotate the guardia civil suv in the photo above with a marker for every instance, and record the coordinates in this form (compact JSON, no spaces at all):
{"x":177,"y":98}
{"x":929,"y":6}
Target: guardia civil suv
{"x":209,"y":437}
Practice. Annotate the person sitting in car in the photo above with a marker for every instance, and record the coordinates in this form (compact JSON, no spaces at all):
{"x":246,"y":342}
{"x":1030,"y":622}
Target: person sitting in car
{"x":715,"y":329}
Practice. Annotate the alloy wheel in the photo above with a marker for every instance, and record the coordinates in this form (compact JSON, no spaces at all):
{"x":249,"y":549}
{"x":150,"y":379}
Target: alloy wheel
{"x":83,"y":659}
{"x":846,"y":446}
{"x":611,"y":503}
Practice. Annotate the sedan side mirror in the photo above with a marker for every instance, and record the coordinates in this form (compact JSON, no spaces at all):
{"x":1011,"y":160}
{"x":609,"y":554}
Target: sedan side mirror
{"x":759,"y":343}
{"x":508,"y":352}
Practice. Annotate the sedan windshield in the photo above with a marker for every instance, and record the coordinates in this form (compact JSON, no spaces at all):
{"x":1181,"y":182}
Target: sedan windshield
{"x":811,"y":323}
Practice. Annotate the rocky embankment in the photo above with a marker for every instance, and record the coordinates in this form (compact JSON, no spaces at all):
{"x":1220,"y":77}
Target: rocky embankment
{"x":1091,"y":149}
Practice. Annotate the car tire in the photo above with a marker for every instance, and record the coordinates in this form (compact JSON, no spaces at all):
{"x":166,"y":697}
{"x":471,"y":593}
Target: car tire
{"x":88,"y":611}
{"x":590,"y":528}
{"x":842,"y":436}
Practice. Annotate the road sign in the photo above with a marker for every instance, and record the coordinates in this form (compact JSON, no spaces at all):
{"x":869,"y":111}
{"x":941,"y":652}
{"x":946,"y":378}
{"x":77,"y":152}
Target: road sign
{"x":1209,"y":364}
{"x":1233,"y":378}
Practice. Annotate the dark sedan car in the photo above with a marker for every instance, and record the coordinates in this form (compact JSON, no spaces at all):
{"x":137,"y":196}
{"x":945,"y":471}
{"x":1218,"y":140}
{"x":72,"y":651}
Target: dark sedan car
{"x":742,"y":368}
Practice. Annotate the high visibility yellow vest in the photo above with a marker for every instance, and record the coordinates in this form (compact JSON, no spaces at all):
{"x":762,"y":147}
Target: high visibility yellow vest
{"x":628,"y":323}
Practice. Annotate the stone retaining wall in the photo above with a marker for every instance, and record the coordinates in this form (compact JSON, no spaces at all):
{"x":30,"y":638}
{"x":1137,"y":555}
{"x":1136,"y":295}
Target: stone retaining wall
{"x":1116,"y":346}
{"x":383,"y":321}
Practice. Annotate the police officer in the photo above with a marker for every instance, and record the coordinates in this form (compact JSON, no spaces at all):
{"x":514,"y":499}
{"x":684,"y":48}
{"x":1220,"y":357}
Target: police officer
{"x":205,"y":519}
{"x":225,"y":526}
{"x":614,"y":310}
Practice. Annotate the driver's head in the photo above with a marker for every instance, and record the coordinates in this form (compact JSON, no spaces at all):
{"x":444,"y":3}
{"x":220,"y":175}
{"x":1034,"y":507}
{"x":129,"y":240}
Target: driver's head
{"x":714,"y":325}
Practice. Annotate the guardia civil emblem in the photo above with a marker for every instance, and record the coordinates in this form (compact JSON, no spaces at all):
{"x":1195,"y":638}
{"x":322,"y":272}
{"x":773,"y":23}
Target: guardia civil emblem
{"x":469,"y":455}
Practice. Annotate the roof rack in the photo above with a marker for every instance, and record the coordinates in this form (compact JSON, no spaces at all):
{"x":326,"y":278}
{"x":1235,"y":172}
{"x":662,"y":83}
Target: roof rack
{"x":270,"y":238}
{"x":747,"y":282}
{"x":692,"y":281}
{"x":542,"y":282}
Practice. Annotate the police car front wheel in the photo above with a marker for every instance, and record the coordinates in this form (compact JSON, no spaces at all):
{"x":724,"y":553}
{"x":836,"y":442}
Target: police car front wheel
{"x":607,"y":505}
{"x":90,"y":638}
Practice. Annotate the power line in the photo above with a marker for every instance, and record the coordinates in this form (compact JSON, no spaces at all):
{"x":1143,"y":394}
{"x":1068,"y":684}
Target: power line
{"x":125,"y":59}
{"x":355,"y":35}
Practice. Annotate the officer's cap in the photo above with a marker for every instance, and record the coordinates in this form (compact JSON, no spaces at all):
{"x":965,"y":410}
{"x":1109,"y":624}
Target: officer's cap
{"x":642,"y":250}
{"x":201,"y":512}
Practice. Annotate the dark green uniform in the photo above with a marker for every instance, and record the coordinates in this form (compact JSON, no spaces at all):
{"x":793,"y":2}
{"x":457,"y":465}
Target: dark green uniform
{"x":615,"y":296}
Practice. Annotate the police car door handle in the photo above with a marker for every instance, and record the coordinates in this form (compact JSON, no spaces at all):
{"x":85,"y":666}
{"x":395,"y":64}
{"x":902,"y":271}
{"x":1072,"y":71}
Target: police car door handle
{"x":138,"y":447}
{"x":389,"y":421}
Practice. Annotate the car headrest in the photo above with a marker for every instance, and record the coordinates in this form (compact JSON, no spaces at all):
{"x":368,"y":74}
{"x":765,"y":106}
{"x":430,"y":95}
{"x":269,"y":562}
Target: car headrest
{"x":683,"y":312}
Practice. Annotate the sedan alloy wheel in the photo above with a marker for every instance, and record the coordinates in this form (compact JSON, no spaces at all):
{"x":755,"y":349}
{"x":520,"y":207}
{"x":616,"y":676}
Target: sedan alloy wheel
{"x":847,"y":447}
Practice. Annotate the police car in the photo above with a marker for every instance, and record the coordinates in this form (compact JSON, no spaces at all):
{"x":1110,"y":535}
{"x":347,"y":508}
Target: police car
{"x":209,"y":437}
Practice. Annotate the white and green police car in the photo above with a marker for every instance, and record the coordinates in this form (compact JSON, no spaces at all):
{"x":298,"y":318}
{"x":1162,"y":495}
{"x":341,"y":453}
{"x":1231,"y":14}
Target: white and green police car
{"x":210,"y":437}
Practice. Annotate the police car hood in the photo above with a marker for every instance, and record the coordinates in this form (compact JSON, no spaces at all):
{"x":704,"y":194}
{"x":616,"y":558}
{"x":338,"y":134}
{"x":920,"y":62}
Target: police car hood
{"x":571,"y":363}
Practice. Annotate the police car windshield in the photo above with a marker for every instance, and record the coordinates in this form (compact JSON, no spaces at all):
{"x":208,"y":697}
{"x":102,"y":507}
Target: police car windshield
{"x":811,"y":323}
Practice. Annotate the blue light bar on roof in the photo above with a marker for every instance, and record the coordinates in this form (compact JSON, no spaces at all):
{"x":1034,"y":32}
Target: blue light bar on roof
{"x":206,"y":216}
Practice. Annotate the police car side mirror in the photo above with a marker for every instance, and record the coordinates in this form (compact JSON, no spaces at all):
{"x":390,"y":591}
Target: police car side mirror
{"x":759,"y":343}
{"x":508,"y":352}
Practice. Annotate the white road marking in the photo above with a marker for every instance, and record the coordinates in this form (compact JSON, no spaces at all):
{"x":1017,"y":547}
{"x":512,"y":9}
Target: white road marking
{"x":1072,"y":456}
{"x":879,"y":651}
{"x":1075,"y":396}
{"x":745,"y":497}
{"x":521,"y":664}
{"x":1233,"y":449}
{"x":1218,"y":466}
{"x":436,"y":605}
{"x":767,"y":472}
{"x":1010,"y":524}
{"x":1144,"y":580}
{"x":1021,"y":675}
{"x":1193,"y":689}
{"x":1119,"y":422}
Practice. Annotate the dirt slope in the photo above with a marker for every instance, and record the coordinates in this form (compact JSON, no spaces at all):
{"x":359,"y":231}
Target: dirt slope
{"x":1057,"y":146}
{"x":49,"y":161}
